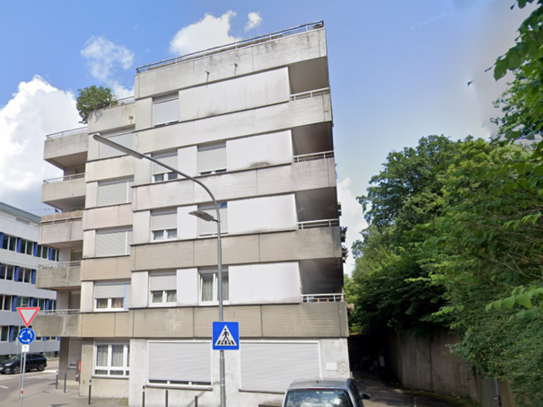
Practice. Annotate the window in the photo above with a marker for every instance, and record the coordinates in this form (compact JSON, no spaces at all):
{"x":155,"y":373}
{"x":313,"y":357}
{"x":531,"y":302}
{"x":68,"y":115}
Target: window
{"x":163,"y":174}
{"x":4,"y":333}
{"x":212,"y":159}
{"x":209,"y":283}
{"x":115,"y":192}
{"x":123,"y":137}
{"x":164,"y":224}
{"x":7,"y":272}
{"x":9,"y":243}
{"x":206,"y":228}
{"x":5,"y":302}
{"x":27,"y":247}
{"x":23,"y":301}
{"x":112,"y":359}
{"x":179,"y":363}
{"x":166,"y":109}
{"x":25,"y":275}
{"x":284,"y":361}
{"x":43,"y":252}
{"x":113,"y":242}
{"x":112,"y":296}
{"x":163,"y":288}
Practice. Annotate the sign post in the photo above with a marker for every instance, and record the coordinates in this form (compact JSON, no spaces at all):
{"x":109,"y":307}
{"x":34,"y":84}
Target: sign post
{"x":26,"y":336}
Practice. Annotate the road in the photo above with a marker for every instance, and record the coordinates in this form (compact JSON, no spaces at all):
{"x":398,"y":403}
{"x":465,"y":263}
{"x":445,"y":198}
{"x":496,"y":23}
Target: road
{"x":9,"y":383}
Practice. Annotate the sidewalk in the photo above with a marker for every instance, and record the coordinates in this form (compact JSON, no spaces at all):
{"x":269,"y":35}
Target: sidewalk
{"x":42,"y":393}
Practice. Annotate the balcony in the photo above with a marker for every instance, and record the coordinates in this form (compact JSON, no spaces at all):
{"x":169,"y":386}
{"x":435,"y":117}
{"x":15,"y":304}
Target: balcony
{"x":59,"y":275}
{"x":338,"y":297}
{"x":62,"y":230}
{"x":66,"y":193}
{"x":57,"y":323}
{"x":67,"y":148}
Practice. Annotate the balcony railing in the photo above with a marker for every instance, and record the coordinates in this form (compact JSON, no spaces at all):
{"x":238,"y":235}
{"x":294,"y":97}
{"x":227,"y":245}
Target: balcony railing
{"x":313,"y":156}
{"x":58,"y":312}
{"x":323,"y":223}
{"x":323,"y":297}
{"x":310,"y":94}
{"x":65,"y":133}
{"x":63,"y":264}
{"x":230,"y":47}
{"x":62,"y":179}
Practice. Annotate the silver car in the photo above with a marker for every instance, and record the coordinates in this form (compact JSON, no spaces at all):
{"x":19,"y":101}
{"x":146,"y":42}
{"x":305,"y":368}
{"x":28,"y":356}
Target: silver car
{"x":324,"y":393}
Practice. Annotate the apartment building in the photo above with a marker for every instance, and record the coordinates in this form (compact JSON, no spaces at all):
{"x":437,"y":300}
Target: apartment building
{"x":20,"y":257}
{"x":137,"y":286}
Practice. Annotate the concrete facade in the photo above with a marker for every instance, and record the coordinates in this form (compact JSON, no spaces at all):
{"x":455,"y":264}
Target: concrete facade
{"x":139,"y":285}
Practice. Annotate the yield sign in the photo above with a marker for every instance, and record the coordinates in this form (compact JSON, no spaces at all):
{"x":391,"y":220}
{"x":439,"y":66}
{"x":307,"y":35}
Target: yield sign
{"x":28,"y":314}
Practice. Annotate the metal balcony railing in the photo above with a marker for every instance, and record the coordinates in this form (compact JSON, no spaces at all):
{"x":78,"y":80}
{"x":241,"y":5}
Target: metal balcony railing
{"x":310,"y":94}
{"x":313,"y":156}
{"x":63,"y":264}
{"x":66,"y":178}
{"x":66,"y":133}
{"x":231,"y":47}
{"x":58,"y":312}
{"x":323,"y":297}
{"x":323,"y":223}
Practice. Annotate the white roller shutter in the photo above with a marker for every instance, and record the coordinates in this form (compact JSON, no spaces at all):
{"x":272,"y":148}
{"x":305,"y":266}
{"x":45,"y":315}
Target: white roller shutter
{"x":162,"y":281}
{"x":164,"y":220}
{"x":113,"y":243}
{"x":121,"y":137}
{"x":166,"y":109}
{"x":272,"y":366}
{"x":210,"y":228}
{"x":180,"y":361}
{"x":212,"y":158}
{"x":115,"y":192}
{"x":169,"y":159}
{"x":110,"y":290}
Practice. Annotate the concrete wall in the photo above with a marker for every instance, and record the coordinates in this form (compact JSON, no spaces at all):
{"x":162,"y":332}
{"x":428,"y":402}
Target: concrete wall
{"x":108,"y":217}
{"x":59,"y":277}
{"x":316,"y":243}
{"x":245,"y":60}
{"x":66,"y":146}
{"x":62,"y":190}
{"x":420,"y":364}
{"x":112,"y":118}
{"x":61,"y":233}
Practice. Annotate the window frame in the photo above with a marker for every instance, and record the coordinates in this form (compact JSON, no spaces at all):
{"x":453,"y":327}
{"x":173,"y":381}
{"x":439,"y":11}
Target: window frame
{"x":164,"y":296}
{"x":4,"y":328}
{"x":125,"y":368}
{"x":215,"y":292}
{"x":3,"y":302}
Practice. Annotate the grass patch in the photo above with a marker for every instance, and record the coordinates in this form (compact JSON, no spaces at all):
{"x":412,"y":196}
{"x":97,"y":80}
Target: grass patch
{"x":456,"y":401}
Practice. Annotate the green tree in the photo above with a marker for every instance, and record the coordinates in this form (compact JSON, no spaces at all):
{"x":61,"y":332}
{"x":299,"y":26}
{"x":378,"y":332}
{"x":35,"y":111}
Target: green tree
{"x":93,"y":98}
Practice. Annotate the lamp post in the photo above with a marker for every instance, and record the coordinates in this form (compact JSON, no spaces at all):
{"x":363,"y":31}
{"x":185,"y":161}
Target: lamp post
{"x":200,"y":214}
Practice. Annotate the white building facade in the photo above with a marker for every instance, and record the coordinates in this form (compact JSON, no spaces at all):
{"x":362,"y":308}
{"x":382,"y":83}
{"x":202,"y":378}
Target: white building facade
{"x":252,"y":121}
{"x":20,"y":257}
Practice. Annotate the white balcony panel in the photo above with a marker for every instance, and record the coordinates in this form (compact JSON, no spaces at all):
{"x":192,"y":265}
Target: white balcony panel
{"x":108,"y":217}
{"x":266,"y":214}
{"x":247,"y":92}
{"x":62,"y":190}
{"x":265,"y":283}
{"x":118,"y":167}
{"x":259,"y":151}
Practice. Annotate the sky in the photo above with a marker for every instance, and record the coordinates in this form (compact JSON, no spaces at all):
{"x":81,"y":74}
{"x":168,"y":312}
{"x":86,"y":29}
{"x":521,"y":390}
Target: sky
{"x":399,"y":70}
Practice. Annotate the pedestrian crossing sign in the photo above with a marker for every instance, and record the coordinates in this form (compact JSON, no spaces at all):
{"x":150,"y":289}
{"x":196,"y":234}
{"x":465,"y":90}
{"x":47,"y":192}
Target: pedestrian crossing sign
{"x":225,"y":335}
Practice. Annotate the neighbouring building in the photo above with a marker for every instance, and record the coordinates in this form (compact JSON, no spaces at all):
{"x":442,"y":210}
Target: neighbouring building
{"x":137,"y":283}
{"x":20,"y":257}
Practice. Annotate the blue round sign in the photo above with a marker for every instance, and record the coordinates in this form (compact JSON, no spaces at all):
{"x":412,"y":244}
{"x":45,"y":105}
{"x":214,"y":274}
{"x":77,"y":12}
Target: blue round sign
{"x":26,"y":336}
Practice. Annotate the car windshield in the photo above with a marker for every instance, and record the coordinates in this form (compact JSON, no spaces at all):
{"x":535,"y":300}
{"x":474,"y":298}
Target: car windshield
{"x":318,"y":398}
{"x":14,"y":358}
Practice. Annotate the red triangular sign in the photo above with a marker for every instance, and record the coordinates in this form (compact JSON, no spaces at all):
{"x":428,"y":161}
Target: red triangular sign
{"x":28,"y":314}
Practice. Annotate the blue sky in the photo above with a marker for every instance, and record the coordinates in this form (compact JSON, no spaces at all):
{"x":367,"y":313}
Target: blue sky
{"x":398,"y":71}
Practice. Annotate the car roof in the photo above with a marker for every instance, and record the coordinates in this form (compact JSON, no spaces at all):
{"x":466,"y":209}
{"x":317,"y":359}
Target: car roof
{"x":320,"y":383}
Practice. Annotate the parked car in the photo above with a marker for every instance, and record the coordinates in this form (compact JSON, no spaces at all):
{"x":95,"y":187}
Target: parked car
{"x":324,"y":393}
{"x":14,"y":364}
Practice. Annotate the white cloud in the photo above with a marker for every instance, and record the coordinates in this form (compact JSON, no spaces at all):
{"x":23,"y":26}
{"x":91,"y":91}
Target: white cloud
{"x":254,"y":21}
{"x":35,"y":110}
{"x":207,"y":33}
{"x":105,"y":58}
{"x":349,"y":204}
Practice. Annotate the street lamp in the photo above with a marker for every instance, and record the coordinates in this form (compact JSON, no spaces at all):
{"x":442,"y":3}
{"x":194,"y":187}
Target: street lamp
{"x":200,"y":214}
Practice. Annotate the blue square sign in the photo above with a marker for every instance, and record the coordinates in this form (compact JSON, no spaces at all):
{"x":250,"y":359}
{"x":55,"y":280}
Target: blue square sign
{"x":225,"y":336}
